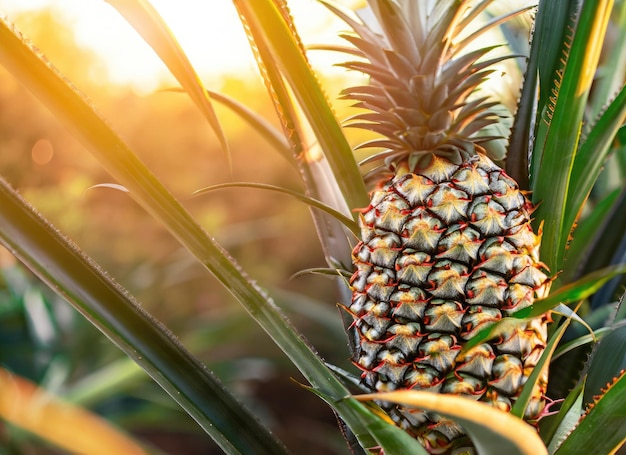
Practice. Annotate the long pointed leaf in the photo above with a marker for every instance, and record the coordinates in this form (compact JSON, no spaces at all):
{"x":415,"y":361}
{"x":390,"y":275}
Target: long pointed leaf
{"x":578,"y":290}
{"x":592,"y":156}
{"x":75,"y":277}
{"x":607,"y":361}
{"x":78,"y":115}
{"x":519,"y":407}
{"x":149,"y":24}
{"x":550,"y":22}
{"x":22,"y":403}
{"x":347,"y":222}
{"x":561,"y":125}
{"x":264,"y":17}
{"x":504,"y":433}
{"x":607,"y":418}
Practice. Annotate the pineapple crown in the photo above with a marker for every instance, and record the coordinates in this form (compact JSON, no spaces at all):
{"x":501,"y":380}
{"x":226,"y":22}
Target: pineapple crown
{"x":420,"y":80}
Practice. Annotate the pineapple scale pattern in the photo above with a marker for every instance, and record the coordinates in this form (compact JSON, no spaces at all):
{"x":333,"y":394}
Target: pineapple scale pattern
{"x":445,"y":252}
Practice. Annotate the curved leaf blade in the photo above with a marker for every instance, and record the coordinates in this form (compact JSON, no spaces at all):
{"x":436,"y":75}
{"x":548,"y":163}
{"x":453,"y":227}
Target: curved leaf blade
{"x":74,"y":429}
{"x":76,"y":278}
{"x":560,"y":126}
{"x":268,"y":25}
{"x":80,"y":117}
{"x":149,"y":24}
{"x":347,"y":222}
{"x":592,"y":156}
{"x":504,"y":433}
{"x":603,"y":428}
{"x":578,"y":290}
{"x":519,"y":407}
{"x":314,"y":162}
{"x":607,"y":361}
{"x":256,"y":121}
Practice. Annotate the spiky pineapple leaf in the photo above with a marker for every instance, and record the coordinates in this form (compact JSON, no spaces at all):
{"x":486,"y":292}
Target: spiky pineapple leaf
{"x":560,"y":126}
{"x":590,"y":235}
{"x":592,"y":155}
{"x":256,"y":121}
{"x":347,"y":222}
{"x":602,"y":429}
{"x":582,"y":340}
{"x":313,"y":156}
{"x":75,"y":277}
{"x":547,"y":40}
{"x":614,"y":252}
{"x":269,"y":27}
{"x":149,"y":24}
{"x":607,"y":361}
{"x":504,"y":433}
{"x":79,"y":116}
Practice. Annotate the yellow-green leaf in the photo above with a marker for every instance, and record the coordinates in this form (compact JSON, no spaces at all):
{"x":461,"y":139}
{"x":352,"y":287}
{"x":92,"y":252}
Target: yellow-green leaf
{"x":492,"y":431}
{"x":149,"y":24}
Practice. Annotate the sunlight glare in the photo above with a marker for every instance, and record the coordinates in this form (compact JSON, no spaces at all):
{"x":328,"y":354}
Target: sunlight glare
{"x":209,"y":32}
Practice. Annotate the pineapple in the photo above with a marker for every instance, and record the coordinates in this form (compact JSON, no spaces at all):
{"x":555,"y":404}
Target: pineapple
{"x":446,"y":244}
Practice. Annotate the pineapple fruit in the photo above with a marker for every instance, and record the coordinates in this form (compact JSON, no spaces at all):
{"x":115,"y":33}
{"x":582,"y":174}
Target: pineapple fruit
{"x":446,"y":245}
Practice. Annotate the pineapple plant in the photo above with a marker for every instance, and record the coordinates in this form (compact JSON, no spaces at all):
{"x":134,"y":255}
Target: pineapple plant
{"x":447,"y":247}
{"x":448,"y":242}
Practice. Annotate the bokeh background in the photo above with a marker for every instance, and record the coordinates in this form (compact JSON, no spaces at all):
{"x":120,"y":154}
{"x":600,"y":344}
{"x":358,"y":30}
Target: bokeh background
{"x":271,"y":235}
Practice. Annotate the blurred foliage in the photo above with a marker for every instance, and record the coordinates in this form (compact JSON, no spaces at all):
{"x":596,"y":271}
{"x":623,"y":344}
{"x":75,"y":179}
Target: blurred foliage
{"x":269,"y":234}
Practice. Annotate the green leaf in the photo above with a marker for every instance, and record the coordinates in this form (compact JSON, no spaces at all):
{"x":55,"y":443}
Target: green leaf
{"x":580,"y":341}
{"x":348,"y":222}
{"x":504,"y":433}
{"x":75,"y":277}
{"x":566,"y":419}
{"x":502,"y":327}
{"x":256,"y":121}
{"x":578,"y":290}
{"x":80,"y":118}
{"x":390,"y":439}
{"x":269,"y":27}
{"x":573,"y":292}
{"x":547,"y":42}
{"x":315,"y":162}
{"x":589,"y":235}
{"x":607,"y":361}
{"x":603,"y":428}
{"x":149,"y":24}
{"x":559,"y":128}
{"x":592,"y":156}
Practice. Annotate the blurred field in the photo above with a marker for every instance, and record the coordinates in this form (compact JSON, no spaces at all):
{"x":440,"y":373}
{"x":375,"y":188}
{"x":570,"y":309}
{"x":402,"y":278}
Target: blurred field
{"x":271,"y":235}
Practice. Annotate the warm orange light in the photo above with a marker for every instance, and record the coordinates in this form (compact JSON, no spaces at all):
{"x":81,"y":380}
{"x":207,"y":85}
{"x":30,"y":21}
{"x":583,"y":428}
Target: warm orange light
{"x":210,"y":33}
{"x":42,"y":152}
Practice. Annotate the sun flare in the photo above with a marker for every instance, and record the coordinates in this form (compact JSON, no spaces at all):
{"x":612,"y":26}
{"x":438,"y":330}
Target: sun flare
{"x":209,"y":32}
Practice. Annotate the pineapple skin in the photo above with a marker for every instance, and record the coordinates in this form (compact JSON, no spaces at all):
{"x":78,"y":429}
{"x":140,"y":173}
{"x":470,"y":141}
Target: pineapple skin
{"x":445,"y":251}
{"x":446,"y":246}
